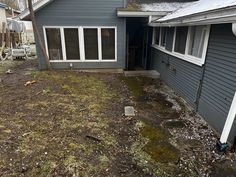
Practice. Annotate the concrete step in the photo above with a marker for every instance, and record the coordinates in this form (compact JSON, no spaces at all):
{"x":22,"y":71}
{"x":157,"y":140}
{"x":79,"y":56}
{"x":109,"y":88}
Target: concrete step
{"x":145,"y":73}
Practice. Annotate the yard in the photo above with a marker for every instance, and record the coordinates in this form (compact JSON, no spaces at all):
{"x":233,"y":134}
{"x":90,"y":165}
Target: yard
{"x":70,"y":123}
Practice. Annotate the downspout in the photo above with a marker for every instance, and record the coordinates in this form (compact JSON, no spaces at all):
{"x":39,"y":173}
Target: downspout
{"x":222,"y":143}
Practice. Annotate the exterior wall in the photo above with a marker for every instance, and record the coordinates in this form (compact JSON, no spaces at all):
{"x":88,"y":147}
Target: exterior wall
{"x":84,"y":13}
{"x":219,"y":83}
{"x":219,"y":77}
{"x":182,"y":76}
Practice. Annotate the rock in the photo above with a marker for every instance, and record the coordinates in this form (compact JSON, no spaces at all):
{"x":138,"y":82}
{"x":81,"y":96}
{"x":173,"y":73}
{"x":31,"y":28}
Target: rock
{"x":9,"y":71}
{"x":129,"y":111}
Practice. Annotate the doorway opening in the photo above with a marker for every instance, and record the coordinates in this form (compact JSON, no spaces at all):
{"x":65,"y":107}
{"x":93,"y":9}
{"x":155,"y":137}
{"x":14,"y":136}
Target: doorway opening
{"x":138,"y":41}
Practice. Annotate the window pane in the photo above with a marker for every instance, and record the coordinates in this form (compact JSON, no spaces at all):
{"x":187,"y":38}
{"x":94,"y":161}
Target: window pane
{"x":54,"y":43}
{"x":72,"y":44}
{"x":108,"y":43}
{"x":91,"y":44}
{"x":197,"y":39}
{"x":157,"y":36}
{"x":163,"y":36}
{"x":180,"y":39}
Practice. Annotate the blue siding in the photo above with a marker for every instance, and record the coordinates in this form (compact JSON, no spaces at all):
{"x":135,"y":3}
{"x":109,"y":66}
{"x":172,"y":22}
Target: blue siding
{"x":219,"y":84}
{"x":219,"y":79}
{"x":182,"y":76}
{"x":84,"y":13}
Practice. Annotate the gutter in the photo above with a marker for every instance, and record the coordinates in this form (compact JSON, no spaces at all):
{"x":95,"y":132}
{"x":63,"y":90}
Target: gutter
{"x":124,"y":13}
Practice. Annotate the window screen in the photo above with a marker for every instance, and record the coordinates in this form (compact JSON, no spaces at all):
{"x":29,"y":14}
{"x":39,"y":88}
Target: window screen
{"x":181,"y":39}
{"x":108,"y":43}
{"x":72,"y":44}
{"x":197,"y":39}
{"x":54,"y":43}
{"x":91,"y":43}
{"x":157,"y":36}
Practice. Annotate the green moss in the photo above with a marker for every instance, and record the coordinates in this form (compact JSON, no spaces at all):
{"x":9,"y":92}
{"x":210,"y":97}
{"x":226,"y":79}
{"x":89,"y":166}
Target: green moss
{"x":154,"y":134}
{"x":158,"y":146}
{"x":162,"y":152}
{"x":134,"y":84}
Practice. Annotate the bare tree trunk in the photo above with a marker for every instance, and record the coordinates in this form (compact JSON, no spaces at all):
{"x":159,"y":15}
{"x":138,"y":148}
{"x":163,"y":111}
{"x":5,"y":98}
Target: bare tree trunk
{"x":37,"y":36}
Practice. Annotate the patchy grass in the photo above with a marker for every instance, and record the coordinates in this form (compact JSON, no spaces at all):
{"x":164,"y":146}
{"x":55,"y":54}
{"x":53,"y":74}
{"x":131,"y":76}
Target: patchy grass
{"x":72,"y":124}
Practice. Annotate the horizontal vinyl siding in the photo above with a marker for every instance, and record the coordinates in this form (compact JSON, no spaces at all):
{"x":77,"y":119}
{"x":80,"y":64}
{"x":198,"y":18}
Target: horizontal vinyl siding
{"x":84,"y":13}
{"x":219,"y":84}
{"x":184,"y":81}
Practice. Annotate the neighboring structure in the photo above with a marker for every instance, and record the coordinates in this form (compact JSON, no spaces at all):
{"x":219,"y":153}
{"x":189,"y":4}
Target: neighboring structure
{"x":192,"y":44}
{"x":3,"y":18}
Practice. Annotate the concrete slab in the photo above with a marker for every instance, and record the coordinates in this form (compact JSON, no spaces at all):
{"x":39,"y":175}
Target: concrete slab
{"x":129,"y":111}
{"x":145,"y":73}
{"x":113,"y":71}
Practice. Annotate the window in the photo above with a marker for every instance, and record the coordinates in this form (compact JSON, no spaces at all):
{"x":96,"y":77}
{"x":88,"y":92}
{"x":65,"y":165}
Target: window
{"x":163,"y":36}
{"x":72,"y":43}
{"x":187,"y":43}
{"x":181,"y":39}
{"x":157,"y":36}
{"x":91,"y":44}
{"x":54,"y":43}
{"x":196,"y":41}
{"x":108,"y":43}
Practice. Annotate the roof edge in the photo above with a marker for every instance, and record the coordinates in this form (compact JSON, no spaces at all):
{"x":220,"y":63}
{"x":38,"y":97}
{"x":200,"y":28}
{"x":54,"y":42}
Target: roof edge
{"x":222,"y":15}
{"x":37,"y":6}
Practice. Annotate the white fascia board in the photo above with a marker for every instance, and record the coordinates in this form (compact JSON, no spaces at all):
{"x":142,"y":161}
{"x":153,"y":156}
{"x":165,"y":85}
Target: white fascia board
{"x":121,"y":13}
{"x":36,"y":7}
{"x":227,"y":15}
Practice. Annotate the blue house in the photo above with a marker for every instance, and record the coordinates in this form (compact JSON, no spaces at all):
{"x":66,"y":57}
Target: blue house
{"x":192,"y":44}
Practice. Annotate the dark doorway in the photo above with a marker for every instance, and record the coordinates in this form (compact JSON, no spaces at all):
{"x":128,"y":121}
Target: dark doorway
{"x":138,"y":41}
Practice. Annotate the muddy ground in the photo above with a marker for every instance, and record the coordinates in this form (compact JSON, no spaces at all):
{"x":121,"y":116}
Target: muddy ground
{"x":72,"y":124}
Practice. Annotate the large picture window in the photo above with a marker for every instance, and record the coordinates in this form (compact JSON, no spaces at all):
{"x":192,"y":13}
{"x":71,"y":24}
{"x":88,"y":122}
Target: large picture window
{"x":83,"y":44}
{"x":54,"y":43}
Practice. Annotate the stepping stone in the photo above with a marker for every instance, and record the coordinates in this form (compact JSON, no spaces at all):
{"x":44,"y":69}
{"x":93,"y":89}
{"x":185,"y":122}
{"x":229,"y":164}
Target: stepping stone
{"x":129,"y":111}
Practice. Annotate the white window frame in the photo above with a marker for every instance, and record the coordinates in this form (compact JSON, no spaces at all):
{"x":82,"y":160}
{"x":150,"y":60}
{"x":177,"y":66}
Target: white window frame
{"x":81,"y":43}
{"x":186,"y":56}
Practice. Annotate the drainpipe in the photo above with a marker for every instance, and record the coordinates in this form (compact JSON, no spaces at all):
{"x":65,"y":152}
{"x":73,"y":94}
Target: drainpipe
{"x":222,"y":144}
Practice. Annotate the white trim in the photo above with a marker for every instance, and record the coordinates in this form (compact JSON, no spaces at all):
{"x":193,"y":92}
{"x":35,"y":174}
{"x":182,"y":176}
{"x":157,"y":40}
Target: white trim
{"x":182,"y":57}
{"x":81,"y":43}
{"x":63,"y":45}
{"x":99,"y":44}
{"x":45,"y":41}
